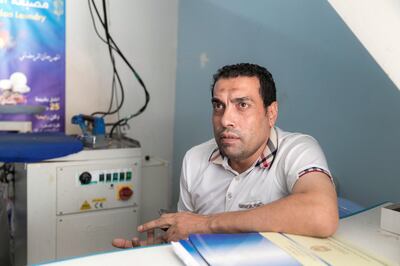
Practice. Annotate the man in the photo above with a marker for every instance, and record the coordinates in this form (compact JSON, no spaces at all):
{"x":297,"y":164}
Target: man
{"x":252,"y":176}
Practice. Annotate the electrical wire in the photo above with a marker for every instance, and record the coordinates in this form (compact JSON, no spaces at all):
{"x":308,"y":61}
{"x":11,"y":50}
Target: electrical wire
{"x":113,"y":47}
{"x":94,"y":21}
{"x":115,"y":71}
{"x":113,"y":85}
{"x":104,"y":24}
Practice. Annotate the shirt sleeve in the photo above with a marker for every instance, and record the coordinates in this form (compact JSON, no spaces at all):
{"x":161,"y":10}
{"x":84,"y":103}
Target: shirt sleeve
{"x":185,"y":201}
{"x":303,"y":157}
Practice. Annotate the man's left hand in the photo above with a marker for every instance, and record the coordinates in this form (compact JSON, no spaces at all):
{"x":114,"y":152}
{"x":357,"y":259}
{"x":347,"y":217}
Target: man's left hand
{"x":178,"y":225}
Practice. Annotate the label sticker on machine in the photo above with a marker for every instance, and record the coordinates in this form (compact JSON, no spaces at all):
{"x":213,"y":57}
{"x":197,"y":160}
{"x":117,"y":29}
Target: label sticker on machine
{"x":85,"y":206}
{"x":98,"y":203}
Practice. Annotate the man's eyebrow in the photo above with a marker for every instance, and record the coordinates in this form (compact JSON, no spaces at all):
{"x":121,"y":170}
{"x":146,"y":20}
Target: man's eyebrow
{"x":215,"y":100}
{"x":235,"y":100}
{"x":242,"y":99}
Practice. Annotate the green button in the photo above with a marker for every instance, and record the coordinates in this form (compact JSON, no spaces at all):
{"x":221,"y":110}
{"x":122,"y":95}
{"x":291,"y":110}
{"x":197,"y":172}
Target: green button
{"x":115,"y":176}
{"x":121,"y":176}
{"x":101,"y":178}
{"x":128,"y":176}
{"x":108,"y":176}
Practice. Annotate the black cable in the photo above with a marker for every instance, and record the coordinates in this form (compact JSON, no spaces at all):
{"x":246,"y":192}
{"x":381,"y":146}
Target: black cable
{"x":113,"y":86}
{"x":111,"y":101}
{"x":116,"y":74}
{"x":112,"y":46}
{"x":112,"y":58}
{"x":117,"y":48}
{"x":102,"y":39}
{"x":121,"y":54}
{"x":94,"y":23}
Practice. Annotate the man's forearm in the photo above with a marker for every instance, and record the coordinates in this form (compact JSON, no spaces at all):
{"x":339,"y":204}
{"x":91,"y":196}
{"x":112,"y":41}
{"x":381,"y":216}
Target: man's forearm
{"x":311,"y":210}
{"x":311,"y":214}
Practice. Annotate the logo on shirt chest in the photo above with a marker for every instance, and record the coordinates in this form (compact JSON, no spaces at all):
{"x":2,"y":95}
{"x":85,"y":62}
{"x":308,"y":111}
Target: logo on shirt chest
{"x":250,"y":204}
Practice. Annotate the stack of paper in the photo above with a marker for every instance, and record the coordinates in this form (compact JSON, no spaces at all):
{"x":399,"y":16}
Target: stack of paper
{"x":282,"y":249}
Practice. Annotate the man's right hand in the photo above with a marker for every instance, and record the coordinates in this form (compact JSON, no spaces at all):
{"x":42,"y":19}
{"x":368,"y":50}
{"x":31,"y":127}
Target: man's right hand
{"x":136,"y":242}
{"x":177,"y":226}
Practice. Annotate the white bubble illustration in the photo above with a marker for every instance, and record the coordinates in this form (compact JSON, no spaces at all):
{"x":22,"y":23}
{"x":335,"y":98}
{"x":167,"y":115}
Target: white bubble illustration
{"x":12,"y":89}
{"x":5,"y":84}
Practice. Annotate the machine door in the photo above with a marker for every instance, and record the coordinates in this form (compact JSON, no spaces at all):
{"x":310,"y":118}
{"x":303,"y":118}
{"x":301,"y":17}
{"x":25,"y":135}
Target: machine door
{"x":80,"y":234}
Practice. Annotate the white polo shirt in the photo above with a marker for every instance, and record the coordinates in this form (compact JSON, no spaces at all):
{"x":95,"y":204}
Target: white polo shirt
{"x":209,"y":185}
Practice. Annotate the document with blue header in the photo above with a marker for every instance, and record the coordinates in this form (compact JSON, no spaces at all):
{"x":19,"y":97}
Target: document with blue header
{"x":270,"y":248}
{"x":256,"y":249}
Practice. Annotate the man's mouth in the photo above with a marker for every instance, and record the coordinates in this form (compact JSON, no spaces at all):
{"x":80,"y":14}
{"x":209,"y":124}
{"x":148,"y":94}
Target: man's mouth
{"x":227,"y":138}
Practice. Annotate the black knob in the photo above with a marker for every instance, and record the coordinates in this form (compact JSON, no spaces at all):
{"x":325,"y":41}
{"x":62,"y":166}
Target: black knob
{"x":85,"y":178}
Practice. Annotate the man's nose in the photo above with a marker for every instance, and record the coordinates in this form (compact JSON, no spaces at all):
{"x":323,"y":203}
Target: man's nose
{"x":228,"y":117}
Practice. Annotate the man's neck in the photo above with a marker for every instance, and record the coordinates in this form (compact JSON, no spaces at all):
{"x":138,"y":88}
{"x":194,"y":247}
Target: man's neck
{"x":241,"y":166}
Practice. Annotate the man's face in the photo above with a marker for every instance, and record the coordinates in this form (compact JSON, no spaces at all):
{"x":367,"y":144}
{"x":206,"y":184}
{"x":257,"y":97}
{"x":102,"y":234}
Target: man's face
{"x":241,"y":122}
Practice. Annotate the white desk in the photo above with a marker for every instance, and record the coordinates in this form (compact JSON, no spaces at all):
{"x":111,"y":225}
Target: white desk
{"x":362,"y":231}
{"x":156,"y":255}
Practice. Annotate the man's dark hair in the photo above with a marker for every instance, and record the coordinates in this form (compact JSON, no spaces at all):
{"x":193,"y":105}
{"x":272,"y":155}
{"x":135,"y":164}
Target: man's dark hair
{"x":267,"y":84}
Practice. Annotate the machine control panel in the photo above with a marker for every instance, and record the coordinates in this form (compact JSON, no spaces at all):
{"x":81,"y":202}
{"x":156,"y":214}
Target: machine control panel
{"x":106,"y":185}
{"x":104,"y":176}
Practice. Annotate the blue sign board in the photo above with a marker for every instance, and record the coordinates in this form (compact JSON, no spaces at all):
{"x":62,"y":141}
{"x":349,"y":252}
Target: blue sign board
{"x":32,"y":61}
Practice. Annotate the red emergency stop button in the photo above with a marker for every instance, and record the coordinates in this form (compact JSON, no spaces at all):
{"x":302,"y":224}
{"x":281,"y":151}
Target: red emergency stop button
{"x":125,"y":193}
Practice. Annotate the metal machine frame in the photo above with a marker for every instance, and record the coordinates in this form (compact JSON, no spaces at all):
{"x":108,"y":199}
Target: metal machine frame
{"x":61,"y":214}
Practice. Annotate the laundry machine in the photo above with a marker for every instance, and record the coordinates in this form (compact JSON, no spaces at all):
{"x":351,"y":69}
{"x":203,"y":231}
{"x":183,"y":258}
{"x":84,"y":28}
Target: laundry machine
{"x":76,"y":205}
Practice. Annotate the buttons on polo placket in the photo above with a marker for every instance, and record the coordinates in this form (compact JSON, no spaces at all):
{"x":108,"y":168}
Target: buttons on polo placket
{"x":233,"y":187}
{"x":228,"y":201}
{"x":229,"y":196}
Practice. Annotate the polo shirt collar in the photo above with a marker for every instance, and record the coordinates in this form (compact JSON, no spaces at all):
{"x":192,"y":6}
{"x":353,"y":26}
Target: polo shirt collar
{"x":264,"y":161}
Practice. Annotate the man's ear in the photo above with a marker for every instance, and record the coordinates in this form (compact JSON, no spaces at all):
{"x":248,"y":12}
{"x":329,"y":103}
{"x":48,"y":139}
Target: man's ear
{"x":272,"y":113}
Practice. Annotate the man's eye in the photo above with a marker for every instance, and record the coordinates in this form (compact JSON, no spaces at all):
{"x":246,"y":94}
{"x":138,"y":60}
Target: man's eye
{"x":217,"y":106}
{"x":243,"y":105}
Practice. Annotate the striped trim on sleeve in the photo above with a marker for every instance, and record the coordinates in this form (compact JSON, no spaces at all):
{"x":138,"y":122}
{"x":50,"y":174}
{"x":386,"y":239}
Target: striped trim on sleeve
{"x":315,"y":169}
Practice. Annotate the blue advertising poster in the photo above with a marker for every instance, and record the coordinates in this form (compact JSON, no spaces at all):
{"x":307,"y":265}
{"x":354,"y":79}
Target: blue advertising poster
{"x":32,"y":62}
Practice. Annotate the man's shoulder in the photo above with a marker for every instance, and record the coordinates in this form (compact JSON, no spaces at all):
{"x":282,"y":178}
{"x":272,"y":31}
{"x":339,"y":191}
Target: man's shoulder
{"x":203,"y":150}
{"x":294,"y":138}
